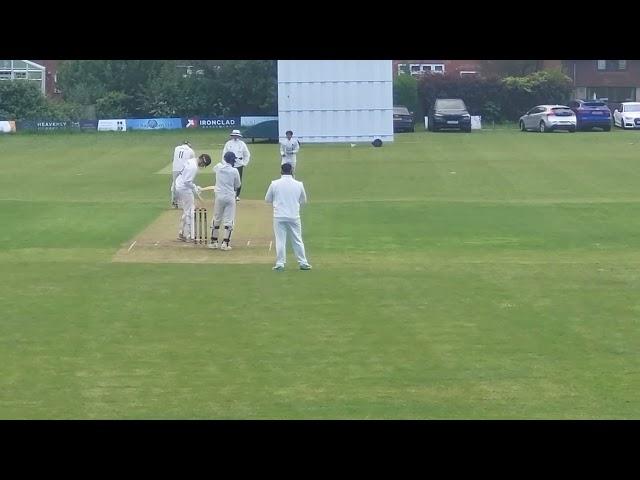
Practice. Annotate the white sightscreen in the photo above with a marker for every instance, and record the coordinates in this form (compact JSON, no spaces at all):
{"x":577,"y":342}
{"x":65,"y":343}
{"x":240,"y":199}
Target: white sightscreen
{"x":336,"y":100}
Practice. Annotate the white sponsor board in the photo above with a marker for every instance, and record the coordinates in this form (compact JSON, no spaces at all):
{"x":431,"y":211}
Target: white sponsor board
{"x":112,"y":125}
{"x":476,"y":122}
{"x":7,"y":127}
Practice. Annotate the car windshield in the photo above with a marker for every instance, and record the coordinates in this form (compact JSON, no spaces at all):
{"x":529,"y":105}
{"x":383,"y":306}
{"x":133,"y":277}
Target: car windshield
{"x":562,"y":112}
{"x":594,"y":104}
{"x":632,"y":108}
{"x":450,"y":105}
{"x":401,"y":111}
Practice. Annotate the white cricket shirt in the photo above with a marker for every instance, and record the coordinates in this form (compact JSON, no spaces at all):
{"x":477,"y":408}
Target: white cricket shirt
{"x":227,"y":179}
{"x":286,"y":195}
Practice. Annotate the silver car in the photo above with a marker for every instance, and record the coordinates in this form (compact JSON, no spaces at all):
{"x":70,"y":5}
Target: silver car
{"x":547,"y":118}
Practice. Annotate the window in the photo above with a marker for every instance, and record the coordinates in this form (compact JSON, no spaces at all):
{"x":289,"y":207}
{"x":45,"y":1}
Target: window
{"x":19,"y":64}
{"x":468,"y":73}
{"x":611,"y":65}
{"x":19,"y":75}
{"x":419,"y":68}
{"x":5,"y":64}
{"x":5,"y":75}
{"x":612,"y":94}
{"x":403,"y":68}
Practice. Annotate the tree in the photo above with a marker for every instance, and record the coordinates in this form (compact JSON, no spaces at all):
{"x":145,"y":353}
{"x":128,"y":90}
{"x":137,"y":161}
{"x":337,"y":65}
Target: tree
{"x":250,"y":87}
{"x":21,"y":100}
{"x":405,"y":92}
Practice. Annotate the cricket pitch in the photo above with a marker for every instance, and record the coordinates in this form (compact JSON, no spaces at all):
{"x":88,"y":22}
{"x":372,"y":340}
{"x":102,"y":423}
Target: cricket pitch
{"x":252,"y":239}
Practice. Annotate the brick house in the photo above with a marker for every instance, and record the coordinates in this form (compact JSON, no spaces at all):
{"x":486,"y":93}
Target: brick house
{"x":614,"y":80}
{"x":51,"y":77}
{"x":415,"y":67}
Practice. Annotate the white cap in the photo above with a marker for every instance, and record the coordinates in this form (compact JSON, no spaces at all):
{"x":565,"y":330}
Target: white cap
{"x":235,"y":133}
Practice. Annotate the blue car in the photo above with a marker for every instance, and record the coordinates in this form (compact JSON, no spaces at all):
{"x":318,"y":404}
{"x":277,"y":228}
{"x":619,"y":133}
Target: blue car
{"x":591,"y":114}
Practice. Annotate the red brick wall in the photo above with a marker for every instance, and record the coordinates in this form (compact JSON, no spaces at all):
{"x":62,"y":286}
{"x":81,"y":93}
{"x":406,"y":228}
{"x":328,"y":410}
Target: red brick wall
{"x":588,"y":75}
{"x":52,"y":69}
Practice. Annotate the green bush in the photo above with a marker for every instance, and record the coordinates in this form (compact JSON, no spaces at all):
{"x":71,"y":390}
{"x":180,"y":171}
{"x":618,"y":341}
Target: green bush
{"x":21,"y":100}
{"x":497,"y":100}
{"x":405,"y":92}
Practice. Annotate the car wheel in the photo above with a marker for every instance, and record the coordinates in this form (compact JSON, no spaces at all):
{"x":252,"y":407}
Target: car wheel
{"x":522,"y":129}
{"x":542,"y":127}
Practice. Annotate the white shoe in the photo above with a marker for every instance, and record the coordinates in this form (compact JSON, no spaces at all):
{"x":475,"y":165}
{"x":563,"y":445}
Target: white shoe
{"x":224,"y":246}
{"x":213,"y":245}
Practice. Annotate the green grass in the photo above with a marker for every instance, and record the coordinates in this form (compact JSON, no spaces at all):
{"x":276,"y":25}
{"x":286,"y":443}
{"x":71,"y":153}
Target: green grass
{"x":508,"y":289}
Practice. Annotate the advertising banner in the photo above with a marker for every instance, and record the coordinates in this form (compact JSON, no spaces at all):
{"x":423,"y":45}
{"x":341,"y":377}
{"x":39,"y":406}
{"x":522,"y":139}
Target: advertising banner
{"x":112,"y":125}
{"x":476,"y":122}
{"x":251,"y":121}
{"x":53,"y":125}
{"x":154,"y":123}
{"x":212,"y":122}
{"x":7,"y":126}
{"x":88,"y":124}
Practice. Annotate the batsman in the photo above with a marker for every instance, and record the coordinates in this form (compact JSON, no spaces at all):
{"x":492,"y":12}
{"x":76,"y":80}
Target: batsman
{"x":224,"y":206}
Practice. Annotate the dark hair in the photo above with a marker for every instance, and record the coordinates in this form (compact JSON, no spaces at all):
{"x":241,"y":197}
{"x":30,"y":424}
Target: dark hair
{"x":377,"y":142}
{"x":288,"y":131}
{"x":206,"y":159}
{"x":285,"y":169}
{"x":230,"y":157}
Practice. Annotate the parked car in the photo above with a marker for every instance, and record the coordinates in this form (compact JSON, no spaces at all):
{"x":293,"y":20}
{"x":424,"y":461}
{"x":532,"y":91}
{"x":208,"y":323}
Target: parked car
{"x":591,"y":114}
{"x":447,"y":113}
{"x":547,"y":118}
{"x":627,"y":115}
{"x":403,"y":120}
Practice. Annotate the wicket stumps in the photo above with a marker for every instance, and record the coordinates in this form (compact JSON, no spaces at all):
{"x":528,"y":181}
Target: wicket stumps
{"x":200,"y":226}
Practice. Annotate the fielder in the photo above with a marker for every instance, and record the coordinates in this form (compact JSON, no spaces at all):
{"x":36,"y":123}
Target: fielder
{"x":185,"y":190}
{"x":181,"y":154}
{"x":286,"y":195}
{"x":239,"y":148}
{"x":288,"y":150}
{"x":224,"y":206}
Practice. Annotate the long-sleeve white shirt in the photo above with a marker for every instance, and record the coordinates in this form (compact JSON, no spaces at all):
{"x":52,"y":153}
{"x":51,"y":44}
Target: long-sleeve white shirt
{"x":289,"y":149}
{"x":185,"y":181}
{"x":227,"y":179}
{"x":181,"y":154}
{"x":238,"y":147}
{"x":287,"y":195}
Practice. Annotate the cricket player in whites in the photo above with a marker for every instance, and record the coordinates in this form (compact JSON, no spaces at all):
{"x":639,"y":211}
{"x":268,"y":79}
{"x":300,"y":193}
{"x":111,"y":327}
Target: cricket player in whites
{"x":286,"y":195}
{"x":288,"y":150}
{"x":224,"y":206}
{"x":241,"y":151}
{"x":181,"y":154}
{"x":185,"y":191}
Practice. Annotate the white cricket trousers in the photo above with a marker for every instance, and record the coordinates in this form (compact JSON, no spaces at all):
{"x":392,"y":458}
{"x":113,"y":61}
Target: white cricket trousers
{"x":186,"y":202}
{"x":288,"y":226}
{"x":174,"y":195}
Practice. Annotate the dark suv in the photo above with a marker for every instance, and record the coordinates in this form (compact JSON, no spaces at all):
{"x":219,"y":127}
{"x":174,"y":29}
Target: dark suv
{"x":449,"y":113}
{"x":402,"y":119}
{"x":590,"y":114}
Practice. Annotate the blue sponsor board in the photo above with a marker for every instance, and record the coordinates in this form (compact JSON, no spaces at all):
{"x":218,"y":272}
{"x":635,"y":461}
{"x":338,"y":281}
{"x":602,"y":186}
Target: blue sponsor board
{"x":153,"y":123}
{"x":46,"y":125}
{"x":212,"y":122}
{"x":88,"y":125}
